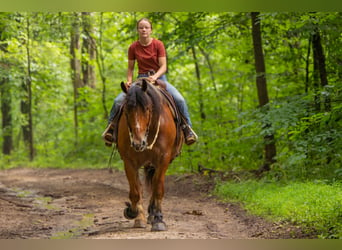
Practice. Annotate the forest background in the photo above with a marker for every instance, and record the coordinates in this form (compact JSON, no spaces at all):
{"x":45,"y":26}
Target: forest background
{"x":263,"y":89}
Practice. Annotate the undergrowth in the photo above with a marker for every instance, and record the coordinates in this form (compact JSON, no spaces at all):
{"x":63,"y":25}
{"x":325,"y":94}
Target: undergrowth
{"x":317,"y":207}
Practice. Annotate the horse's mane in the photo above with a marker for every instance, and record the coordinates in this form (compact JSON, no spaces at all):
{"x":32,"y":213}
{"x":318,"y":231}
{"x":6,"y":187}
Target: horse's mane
{"x":137,"y":97}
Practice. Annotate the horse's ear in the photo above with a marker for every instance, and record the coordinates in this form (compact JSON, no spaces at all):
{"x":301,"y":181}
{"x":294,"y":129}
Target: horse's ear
{"x":144,"y":85}
{"x":124,"y":87}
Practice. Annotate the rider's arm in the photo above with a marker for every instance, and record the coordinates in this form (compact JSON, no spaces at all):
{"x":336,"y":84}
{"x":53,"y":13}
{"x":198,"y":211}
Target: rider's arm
{"x":130,"y":71}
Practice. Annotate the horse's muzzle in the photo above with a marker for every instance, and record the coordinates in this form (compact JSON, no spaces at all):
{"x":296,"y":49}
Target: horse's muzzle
{"x":139,"y":146}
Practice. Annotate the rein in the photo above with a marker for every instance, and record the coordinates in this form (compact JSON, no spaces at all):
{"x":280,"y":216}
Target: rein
{"x":155,"y":137}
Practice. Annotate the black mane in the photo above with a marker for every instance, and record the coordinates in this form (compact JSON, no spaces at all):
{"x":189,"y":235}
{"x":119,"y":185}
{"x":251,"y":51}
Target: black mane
{"x":136,"y":96}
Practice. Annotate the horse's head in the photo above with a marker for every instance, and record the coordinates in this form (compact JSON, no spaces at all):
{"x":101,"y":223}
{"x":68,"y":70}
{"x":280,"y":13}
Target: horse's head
{"x":138,"y":111}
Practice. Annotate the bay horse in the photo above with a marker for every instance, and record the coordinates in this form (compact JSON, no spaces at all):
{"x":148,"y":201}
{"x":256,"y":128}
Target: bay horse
{"x":148,"y":138}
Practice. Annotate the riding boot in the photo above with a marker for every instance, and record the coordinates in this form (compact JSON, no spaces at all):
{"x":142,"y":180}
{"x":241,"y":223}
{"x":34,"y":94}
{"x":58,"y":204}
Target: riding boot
{"x":109,"y":135}
{"x":189,"y":134}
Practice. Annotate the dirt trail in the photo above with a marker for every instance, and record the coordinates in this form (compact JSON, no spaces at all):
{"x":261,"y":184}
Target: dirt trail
{"x":56,"y":203}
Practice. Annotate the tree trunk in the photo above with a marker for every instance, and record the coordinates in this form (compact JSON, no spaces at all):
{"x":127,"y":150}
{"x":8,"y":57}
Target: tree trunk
{"x":75,"y":64}
{"x":320,"y":80}
{"x":212,"y":76}
{"x":270,"y":148}
{"x":200,"y":85}
{"x":26,"y":103}
{"x":320,"y":74}
{"x":74,"y":52}
{"x":101,"y":67}
{"x":307,"y":64}
{"x":259,"y":61}
{"x":7,"y":130}
{"x":6,"y":100}
{"x":89,"y":51}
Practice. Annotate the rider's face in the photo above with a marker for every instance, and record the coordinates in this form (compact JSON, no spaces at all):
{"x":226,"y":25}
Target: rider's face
{"x":144,"y":29}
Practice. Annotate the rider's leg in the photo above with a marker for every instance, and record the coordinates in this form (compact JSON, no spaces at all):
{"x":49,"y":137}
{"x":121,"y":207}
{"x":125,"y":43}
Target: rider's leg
{"x":190,"y":135}
{"x":109,"y":133}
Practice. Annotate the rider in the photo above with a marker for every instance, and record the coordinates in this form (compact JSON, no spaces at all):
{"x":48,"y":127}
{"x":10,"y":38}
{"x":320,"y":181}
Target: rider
{"x":150,"y":54}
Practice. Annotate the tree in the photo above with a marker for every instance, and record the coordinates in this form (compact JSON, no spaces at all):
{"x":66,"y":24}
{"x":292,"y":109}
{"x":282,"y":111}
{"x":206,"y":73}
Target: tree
{"x":5,"y":96}
{"x":5,"y":92}
{"x":199,"y":83}
{"x":270,"y":148}
{"x":82,"y":61}
{"x":26,"y":102}
{"x":101,"y":65}
{"x":88,"y":51}
{"x":320,"y":74}
{"x":7,"y":129}
{"x":75,"y":63}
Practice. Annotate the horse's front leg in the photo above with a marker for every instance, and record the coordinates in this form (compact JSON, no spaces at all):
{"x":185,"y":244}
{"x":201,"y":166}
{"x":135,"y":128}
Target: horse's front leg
{"x":134,"y":210}
{"x":155,"y":207}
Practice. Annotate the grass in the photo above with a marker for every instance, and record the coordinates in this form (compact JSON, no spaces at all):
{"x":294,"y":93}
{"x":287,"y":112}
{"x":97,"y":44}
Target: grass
{"x":315,"y":206}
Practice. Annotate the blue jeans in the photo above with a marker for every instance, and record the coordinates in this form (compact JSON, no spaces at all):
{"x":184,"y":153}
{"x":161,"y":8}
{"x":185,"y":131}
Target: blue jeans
{"x":179,"y":100}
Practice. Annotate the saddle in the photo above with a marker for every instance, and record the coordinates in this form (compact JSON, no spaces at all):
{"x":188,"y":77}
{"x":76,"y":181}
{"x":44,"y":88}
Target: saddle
{"x":160,"y":83}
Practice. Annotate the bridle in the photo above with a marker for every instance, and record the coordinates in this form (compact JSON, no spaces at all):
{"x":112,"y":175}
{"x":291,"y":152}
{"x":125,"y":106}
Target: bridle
{"x":149,"y":147}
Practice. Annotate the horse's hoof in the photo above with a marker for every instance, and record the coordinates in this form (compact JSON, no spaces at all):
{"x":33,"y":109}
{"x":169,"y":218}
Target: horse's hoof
{"x":129,"y":213}
{"x":159,"y":226}
{"x":139,"y":224}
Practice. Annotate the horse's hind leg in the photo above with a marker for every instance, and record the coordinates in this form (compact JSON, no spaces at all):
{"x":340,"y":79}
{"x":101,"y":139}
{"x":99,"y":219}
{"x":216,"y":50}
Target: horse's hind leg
{"x":155,"y":209}
{"x":134,"y":210}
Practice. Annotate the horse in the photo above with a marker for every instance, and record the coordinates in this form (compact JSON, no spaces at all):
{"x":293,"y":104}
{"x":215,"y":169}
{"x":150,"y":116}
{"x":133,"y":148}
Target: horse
{"x":148,"y":138}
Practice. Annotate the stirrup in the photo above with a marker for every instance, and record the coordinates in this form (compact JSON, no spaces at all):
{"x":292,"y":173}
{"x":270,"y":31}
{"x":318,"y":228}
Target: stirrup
{"x":107,"y":135}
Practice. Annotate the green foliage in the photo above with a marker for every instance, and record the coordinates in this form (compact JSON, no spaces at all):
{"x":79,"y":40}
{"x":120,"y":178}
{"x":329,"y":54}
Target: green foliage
{"x":308,"y":142}
{"x":317,"y":207}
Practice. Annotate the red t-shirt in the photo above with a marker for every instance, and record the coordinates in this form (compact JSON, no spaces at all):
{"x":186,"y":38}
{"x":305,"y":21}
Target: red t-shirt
{"x":147,"y":56}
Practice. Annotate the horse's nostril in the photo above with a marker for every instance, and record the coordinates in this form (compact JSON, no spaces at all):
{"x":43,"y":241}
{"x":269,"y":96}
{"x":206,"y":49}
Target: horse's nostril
{"x":136,"y":146}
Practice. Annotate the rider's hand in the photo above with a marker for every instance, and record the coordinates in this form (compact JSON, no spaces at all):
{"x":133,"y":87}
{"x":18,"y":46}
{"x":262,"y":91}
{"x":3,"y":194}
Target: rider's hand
{"x":152,"y":78}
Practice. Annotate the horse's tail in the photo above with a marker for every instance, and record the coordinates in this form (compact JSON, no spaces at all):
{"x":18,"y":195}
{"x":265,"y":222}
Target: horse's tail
{"x":149,"y":173}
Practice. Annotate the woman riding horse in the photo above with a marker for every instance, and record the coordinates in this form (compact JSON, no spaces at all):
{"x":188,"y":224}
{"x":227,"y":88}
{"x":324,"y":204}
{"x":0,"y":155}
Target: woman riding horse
{"x":150,"y":54}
